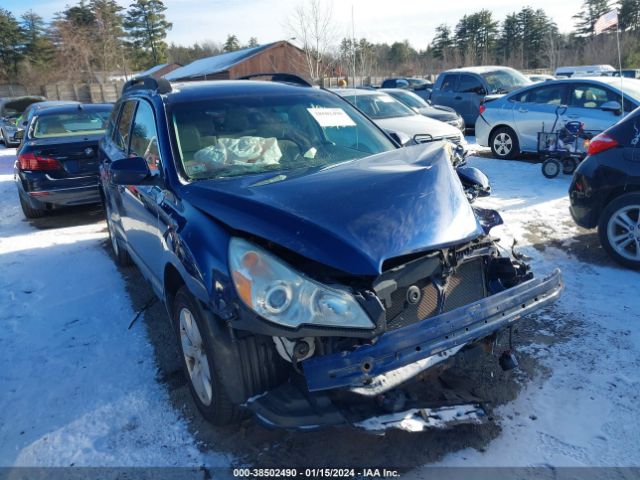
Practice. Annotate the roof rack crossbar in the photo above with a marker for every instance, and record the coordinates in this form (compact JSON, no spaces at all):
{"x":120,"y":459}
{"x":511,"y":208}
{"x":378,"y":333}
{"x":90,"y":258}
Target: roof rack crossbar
{"x":279,"y":77}
{"x":159,"y":85}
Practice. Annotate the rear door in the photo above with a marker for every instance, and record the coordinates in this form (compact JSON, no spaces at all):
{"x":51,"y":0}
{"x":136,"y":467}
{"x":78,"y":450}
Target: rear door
{"x":470,"y":91}
{"x":139,"y":212}
{"x":535,"y":110}
{"x":445,"y":93}
{"x":585,"y":102}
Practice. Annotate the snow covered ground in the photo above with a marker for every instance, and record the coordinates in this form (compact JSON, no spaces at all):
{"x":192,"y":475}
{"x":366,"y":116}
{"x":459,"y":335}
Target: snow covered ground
{"x":78,"y":388}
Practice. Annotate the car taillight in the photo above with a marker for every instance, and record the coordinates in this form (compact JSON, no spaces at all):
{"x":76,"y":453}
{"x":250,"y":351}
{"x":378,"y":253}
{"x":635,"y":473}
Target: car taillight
{"x":482,"y":108}
{"x":600,"y":143}
{"x":30,"y":161}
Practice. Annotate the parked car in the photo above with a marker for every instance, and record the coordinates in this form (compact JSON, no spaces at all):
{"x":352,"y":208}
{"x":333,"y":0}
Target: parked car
{"x":24,"y":118}
{"x":537,"y":78}
{"x":57,"y":162}
{"x":465,"y":89}
{"x":627,"y":73}
{"x":584,"y":71}
{"x":510,"y":125}
{"x":420,"y":86}
{"x":10,"y":110}
{"x":605,"y":190}
{"x":394,"y":116}
{"x":301,"y":254}
{"x":424,"y":107}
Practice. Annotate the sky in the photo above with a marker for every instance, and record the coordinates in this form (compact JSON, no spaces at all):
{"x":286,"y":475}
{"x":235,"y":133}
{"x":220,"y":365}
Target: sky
{"x":413,"y":20}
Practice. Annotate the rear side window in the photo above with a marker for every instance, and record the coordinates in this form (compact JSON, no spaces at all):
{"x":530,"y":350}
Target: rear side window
{"x":590,"y":96}
{"x":470,"y":84}
{"x":111,"y":123}
{"x":121,"y":137}
{"x":550,"y":94}
{"x":449,"y":83}
{"x":144,"y":137}
{"x":389,"y":84}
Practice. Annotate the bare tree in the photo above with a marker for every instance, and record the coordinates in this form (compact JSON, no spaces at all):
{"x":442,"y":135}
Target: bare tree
{"x":312,"y":25}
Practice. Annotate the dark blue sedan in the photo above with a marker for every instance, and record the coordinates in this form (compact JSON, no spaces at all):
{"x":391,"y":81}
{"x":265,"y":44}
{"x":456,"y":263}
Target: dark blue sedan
{"x":57,"y":161}
{"x":308,"y":264}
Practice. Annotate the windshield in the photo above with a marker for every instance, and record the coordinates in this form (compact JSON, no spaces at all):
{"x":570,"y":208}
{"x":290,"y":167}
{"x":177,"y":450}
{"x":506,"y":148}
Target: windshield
{"x":248,"y":134}
{"x":410,"y":99}
{"x":69,"y":124}
{"x":505,"y":80}
{"x":417,"y":82}
{"x":379,"y":106}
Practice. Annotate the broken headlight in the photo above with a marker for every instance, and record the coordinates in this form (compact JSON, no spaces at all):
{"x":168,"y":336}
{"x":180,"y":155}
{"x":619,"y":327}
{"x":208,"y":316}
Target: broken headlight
{"x":278,"y":293}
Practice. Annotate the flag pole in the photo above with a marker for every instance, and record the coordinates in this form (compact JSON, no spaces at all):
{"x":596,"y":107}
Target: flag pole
{"x":619,"y":58}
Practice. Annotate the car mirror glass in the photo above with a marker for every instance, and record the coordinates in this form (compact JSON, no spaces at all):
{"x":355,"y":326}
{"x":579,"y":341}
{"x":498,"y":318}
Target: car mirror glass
{"x":130,"y":171}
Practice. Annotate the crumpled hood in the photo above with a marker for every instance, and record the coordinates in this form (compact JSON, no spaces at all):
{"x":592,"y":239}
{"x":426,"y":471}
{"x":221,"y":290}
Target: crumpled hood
{"x":352,"y":216}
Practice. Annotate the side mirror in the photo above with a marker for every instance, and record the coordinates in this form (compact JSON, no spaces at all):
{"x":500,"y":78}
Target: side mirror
{"x":24,"y":123}
{"x":612,"y":106}
{"x":475,"y":183}
{"x":401,"y":138}
{"x":129,"y":171}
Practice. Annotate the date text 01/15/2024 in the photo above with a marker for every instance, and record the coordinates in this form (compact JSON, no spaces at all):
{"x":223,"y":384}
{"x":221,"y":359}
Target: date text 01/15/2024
{"x":314,"y":473}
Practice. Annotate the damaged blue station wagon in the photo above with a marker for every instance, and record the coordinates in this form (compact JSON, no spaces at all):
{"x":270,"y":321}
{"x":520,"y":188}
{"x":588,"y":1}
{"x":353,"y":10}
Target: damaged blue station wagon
{"x":310,"y":266}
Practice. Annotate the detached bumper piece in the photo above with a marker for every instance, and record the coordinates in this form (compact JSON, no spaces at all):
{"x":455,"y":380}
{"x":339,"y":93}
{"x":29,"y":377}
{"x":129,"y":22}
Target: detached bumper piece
{"x":408,"y":345}
{"x":291,"y":407}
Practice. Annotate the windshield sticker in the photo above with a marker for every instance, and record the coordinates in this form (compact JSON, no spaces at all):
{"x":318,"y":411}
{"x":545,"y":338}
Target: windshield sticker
{"x":331,"y":117}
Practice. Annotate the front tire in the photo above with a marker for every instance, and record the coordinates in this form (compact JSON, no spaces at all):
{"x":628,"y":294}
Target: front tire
{"x":551,"y":168}
{"x":198,"y":363}
{"x":619,"y":230}
{"x":504,"y":143}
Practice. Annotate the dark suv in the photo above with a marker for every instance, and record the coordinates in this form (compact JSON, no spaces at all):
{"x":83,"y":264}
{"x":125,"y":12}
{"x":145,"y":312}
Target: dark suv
{"x":308,"y":264}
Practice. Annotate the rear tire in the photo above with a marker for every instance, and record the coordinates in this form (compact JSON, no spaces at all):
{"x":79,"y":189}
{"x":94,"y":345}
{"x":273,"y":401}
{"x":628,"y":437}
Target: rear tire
{"x":28,"y":211}
{"x":551,"y":168}
{"x":619,"y":230}
{"x":122,"y":256}
{"x":504,"y":143}
{"x":569,"y":165}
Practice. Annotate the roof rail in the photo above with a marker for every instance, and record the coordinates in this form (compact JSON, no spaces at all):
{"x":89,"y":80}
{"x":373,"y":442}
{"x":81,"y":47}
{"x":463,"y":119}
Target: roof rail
{"x":159,"y":85}
{"x":279,"y":77}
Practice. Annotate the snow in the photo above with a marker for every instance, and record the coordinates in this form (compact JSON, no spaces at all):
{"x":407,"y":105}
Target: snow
{"x":586,"y":413}
{"x":78,"y":387}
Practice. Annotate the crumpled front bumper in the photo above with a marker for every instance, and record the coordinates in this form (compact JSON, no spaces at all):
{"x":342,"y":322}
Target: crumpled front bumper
{"x":399,"y":348}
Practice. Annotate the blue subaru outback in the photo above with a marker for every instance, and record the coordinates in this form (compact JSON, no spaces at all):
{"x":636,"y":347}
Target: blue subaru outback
{"x":310,"y":266}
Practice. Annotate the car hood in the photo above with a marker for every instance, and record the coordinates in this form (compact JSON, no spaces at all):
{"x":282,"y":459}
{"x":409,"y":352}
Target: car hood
{"x":439,"y":113}
{"x":352,"y":216}
{"x":419,"y":125}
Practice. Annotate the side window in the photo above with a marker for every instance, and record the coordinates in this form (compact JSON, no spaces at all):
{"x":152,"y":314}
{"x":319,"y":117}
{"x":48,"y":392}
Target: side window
{"x":551,"y":95}
{"x":111,"y":123}
{"x":121,"y":134}
{"x":589,"y":96}
{"x":144,"y":137}
{"x":469,"y":84}
{"x":449,"y":83}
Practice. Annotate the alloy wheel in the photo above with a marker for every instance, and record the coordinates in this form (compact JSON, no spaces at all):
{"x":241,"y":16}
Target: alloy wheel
{"x":503,"y":144}
{"x":623,"y":232}
{"x":195,"y":357}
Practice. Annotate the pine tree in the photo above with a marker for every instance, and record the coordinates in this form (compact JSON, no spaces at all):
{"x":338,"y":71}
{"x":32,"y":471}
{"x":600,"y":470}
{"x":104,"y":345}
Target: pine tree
{"x":11,"y":39}
{"x":108,"y":34}
{"x":146,"y":27}
{"x":253,"y":42}
{"x":629,"y":14}
{"x":232,"y":44}
{"x":442,"y":42}
{"x":38,"y":49}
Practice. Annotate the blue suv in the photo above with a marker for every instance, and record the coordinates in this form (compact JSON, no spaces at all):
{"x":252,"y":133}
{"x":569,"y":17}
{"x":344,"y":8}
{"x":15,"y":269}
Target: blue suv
{"x":309,"y":265}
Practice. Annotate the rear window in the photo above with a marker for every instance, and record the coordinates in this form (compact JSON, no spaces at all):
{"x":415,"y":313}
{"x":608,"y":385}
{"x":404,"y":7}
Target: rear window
{"x":69,"y":124}
{"x":504,"y":80}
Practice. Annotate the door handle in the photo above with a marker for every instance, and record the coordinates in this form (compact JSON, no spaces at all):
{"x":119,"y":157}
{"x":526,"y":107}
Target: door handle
{"x":457,"y":97}
{"x":523,"y":110}
{"x":573,"y":116}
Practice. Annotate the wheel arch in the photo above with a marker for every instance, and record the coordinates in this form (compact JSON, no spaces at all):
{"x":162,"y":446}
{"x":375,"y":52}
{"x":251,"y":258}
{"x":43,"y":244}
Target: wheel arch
{"x":614,"y":194}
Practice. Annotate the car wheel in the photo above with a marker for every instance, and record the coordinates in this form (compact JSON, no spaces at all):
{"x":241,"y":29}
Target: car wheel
{"x":551,"y":168}
{"x":504,"y":143}
{"x":122,"y":256}
{"x":569,"y":165}
{"x":619,"y":230}
{"x":28,"y":211}
{"x":198,"y":362}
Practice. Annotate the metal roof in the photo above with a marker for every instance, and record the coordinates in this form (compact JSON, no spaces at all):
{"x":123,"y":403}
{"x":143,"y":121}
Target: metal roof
{"x":152,"y":70}
{"x":215,"y":64}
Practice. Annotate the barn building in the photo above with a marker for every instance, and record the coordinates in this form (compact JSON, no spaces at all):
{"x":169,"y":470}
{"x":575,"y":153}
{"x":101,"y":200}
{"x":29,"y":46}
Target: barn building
{"x":274,"y":57}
